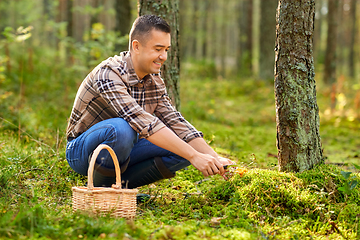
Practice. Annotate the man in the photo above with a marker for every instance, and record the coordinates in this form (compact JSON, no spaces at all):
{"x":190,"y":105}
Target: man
{"x":123,"y":103}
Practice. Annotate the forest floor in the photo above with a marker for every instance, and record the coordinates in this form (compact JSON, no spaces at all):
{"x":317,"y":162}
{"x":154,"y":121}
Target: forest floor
{"x":237,"y":118}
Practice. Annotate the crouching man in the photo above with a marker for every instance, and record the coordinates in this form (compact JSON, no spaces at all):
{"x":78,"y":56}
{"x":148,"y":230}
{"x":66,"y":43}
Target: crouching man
{"x":123,"y":103}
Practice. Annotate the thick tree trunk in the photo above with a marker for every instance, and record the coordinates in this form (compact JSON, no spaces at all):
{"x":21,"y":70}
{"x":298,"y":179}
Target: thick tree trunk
{"x":169,"y":10}
{"x":330,"y":55}
{"x":297,"y":113}
{"x":267,"y":39}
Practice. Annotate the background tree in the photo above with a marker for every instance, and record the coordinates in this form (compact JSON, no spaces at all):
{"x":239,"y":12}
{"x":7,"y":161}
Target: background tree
{"x":69,"y":29}
{"x":69,"y":16}
{"x":246,"y":36}
{"x":319,"y":22}
{"x":169,"y":10}
{"x":352,"y":38}
{"x":123,"y":18}
{"x":297,"y":113}
{"x":267,"y":39}
{"x":330,"y":55}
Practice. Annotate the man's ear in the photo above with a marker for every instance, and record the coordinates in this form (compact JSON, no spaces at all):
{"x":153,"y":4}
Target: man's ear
{"x":135,"y":45}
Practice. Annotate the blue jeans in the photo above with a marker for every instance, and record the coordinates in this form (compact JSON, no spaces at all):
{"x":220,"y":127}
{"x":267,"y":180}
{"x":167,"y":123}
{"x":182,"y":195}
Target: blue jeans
{"x":117,"y":134}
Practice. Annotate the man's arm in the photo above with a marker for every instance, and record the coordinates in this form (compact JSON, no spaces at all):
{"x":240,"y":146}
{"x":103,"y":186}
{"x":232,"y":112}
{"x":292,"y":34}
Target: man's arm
{"x":200,"y":145}
{"x":204,"y":162}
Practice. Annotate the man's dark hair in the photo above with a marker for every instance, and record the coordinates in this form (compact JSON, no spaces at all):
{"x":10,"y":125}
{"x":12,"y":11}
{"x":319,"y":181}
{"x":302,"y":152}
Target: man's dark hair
{"x":143,"y":25}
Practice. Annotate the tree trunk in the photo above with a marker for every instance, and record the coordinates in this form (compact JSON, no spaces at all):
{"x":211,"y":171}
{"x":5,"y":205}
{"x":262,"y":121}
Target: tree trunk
{"x":297,"y":113}
{"x":330,"y":55}
{"x":123,"y":16}
{"x":352,"y":38}
{"x":341,"y":35}
{"x":201,"y":43}
{"x":267,"y":39}
{"x":4,"y":13}
{"x":123,"y":20}
{"x":194,"y":23}
{"x":318,"y":53}
{"x":212,"y":40}
{"x":223,"y":39}
{"x":245,"y":59}
{"x":70,"y":31}
{"x":169,"y":10}
{"x":46,"y":17}
{"x":183,"y":21}
{"x":69,"y":16}
{"x":94,"y":18}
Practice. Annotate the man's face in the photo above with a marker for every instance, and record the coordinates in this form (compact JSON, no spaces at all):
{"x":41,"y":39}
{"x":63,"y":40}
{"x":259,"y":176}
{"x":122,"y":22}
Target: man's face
{"x":152,"y":53}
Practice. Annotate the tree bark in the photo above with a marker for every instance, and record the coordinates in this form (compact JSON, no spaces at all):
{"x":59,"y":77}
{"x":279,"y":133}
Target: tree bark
{"x":267,"y":39}
{"x":330,"y":55}
{"x":168,"y":10}
{"x":297,"y":113}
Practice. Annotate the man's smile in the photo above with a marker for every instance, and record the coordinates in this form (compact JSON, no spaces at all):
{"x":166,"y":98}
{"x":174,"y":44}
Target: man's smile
{"x":158,"y":63}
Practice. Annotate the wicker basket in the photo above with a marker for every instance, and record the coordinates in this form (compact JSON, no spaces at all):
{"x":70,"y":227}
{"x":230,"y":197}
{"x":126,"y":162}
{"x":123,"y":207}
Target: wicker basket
{"x":105,"y":200}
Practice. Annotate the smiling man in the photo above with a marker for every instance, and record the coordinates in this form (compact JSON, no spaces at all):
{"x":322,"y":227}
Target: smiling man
{"x":123,"y":103}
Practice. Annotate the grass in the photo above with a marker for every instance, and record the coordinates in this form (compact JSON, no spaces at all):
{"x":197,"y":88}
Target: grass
{"x":237,"y":118}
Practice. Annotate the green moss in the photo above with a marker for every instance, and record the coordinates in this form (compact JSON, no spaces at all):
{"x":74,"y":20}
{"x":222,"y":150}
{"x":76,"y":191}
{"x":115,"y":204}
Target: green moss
{"x":269,"y":195}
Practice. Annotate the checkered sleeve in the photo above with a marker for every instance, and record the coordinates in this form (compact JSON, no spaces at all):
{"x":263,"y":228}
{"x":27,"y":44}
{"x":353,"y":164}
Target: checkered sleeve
{"x":175,"y":121}
{"x":115,"y":92}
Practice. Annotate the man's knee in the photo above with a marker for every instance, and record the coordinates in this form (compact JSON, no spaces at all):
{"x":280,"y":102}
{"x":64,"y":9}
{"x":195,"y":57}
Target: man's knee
{"x":120,"y":132}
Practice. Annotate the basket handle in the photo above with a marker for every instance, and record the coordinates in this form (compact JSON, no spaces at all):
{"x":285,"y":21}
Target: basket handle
{"x":92,"y":165}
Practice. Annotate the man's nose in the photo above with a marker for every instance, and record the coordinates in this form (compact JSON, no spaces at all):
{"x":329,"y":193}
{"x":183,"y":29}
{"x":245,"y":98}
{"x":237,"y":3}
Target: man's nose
{"x":163,"y":56}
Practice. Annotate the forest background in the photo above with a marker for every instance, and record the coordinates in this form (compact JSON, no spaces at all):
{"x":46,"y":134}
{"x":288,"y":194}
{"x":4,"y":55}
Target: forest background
{"x":226,"y":90}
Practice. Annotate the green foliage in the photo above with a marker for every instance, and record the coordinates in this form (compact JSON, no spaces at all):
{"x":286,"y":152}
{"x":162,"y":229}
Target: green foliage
{"x":200,"y":69}
{"x":350,"y":183}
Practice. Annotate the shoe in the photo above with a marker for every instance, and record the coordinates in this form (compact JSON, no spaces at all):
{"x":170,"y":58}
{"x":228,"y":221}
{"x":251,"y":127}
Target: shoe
{"x":142,"y":197}
{"x":145,"y":172}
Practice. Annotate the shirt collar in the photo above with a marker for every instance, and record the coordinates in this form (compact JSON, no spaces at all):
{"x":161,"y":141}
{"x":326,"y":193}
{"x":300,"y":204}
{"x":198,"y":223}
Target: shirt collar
{"x":132,"y":77}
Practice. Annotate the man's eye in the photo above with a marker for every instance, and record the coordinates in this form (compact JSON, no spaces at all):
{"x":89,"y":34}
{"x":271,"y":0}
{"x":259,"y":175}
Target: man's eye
{"x":158,"y":50}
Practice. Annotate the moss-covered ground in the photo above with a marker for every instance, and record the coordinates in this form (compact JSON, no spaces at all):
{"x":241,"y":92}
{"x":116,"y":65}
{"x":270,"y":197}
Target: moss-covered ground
{"x":237,"y":117}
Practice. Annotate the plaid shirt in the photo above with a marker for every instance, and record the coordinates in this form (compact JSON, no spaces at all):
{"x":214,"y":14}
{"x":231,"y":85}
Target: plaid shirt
{"x":113,"y":89}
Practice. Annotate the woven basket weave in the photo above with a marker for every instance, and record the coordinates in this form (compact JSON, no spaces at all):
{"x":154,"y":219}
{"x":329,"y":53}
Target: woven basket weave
{"x":105,"y":200}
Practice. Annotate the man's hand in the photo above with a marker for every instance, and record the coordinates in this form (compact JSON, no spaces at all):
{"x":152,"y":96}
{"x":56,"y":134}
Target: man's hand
{"x":198,"y":152}
{"x":207,"y":164}
{"x":225,"y":161}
